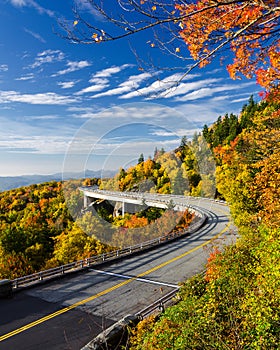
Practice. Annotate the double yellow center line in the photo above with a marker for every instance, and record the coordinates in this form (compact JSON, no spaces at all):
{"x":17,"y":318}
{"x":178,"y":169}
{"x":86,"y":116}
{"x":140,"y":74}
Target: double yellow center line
{"x":108,"y":290}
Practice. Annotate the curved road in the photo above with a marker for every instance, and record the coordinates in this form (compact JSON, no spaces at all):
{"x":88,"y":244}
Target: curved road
{"x":68,"y":313}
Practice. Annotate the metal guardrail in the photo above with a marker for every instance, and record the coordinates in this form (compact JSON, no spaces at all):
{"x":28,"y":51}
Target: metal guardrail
{"x":159,"y":305}
{"x":88,"y":262}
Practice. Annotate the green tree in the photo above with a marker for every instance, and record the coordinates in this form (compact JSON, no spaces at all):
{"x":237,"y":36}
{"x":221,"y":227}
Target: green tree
{"x":141,"y":158}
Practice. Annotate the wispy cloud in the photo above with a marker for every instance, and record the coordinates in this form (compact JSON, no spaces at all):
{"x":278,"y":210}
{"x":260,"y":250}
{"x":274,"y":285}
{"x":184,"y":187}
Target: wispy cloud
{"x":42,"y":117}
{"x":100,"y":80}
{"x":132,"y":83}
{"x":18,"y":3}
{"x":48,"y":56}
{"x":31,"y":3}
{"x":209,"y":91}
{"x":85,"y":5}
{"x":243,"y":99}
{"x":98,"y":85}
{"x":165,"y":88}
{"x":35,"y":144}
{"x":156,"y":88}
{"x":67,"y":84}
{"x":35,"y":35}
{"x":29,"y":76}
{"x":72,"y":67}
{"x":108,"y":72}
{"x":48,"y":98}
{"x":4,"y":68}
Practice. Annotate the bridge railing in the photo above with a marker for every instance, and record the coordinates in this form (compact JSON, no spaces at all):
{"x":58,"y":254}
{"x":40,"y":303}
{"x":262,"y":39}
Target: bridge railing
{"x":45,"y":275}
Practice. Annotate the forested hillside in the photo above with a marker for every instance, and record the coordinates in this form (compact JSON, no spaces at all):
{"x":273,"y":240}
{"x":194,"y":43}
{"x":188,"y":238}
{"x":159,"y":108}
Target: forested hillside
{"x":188,"y":170}
{"x":37,"y":231}
{"x":236,"y":305}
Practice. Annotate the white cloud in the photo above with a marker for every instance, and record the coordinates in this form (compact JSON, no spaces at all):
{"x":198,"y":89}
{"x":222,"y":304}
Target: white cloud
{"x":169,"y":87}
{"x":244,"y":99}
{"x":210,"y":91}
{"x":35,"y":35}
{"x":163,"y":133}
{"x":29,"y":76}
{"x":24,"y":135}
{"x":42,"y":117}
{"x":132,"y":83}
{"x":41,"y":9}
{"x":101,"y":81}
{"x":184,"y":88}
{"x":42,"y":144}
{"x":99,"y":84}
{"x":80,"y":109}
{"x":66,"y":84}
{"x":18,"y":3}
{"x":48,"y":56}
{"x":31,"y":3}
{"x":156,"y":89}
{"x":85,"y":5}
{"x":48,"y":98}
{"x":72,"y":67}
{"x":4,"y":68}
{"x":108,"y":72}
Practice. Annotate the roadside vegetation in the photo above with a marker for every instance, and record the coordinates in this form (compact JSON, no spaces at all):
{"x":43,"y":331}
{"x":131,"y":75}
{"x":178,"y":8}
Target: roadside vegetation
{"x":236,"y":304}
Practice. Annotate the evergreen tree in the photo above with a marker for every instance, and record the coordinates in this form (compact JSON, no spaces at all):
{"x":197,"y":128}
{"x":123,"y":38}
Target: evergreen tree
{"x":141,"y":158}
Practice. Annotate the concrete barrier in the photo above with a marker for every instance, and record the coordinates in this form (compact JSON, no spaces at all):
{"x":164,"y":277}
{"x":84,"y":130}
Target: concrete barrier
{"x":114,"y":336}
{"x":6,"y":289}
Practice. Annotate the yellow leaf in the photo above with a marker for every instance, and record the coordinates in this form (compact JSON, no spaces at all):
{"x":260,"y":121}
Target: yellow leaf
{"x":152,"y":45}
{"x":94,"y":36}
{"x":181,"y":25}
{"x":177,"y":49}
{"x":154,"y":8}
{"x":75,"y":23}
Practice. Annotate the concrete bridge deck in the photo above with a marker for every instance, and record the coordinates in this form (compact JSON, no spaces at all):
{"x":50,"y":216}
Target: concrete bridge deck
{"x":176,"y":202}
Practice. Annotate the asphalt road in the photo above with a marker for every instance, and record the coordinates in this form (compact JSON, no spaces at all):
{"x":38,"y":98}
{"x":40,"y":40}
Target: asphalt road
{"x":68,"y":313}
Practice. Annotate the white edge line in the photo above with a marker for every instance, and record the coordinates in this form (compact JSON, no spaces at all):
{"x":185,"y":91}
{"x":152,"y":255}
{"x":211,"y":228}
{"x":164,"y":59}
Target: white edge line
{"x":136,"y":279}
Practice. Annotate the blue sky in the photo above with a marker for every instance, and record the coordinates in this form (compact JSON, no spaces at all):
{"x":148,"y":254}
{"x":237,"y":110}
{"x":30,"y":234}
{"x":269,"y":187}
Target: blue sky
{"x":71,"y":107}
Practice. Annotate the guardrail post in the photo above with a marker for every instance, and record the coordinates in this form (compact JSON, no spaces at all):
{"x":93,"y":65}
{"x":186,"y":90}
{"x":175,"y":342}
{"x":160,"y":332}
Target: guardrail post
{"x":62,"y":269}
{"x":103,"y":257}
{"x":161,"y":307}
{"x":40,"y":276}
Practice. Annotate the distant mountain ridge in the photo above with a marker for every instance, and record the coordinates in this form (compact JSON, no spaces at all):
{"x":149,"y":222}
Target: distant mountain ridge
{"x":10,"y":182}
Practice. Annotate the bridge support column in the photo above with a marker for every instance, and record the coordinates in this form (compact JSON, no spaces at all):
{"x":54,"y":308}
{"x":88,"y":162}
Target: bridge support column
{"x":86,"y":201}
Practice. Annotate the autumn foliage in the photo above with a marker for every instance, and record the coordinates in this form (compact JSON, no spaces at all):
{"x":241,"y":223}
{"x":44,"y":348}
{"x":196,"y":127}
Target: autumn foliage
{"x":236,"y":304}
{"x":37,"y":231}
{"x":250,"y":28}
